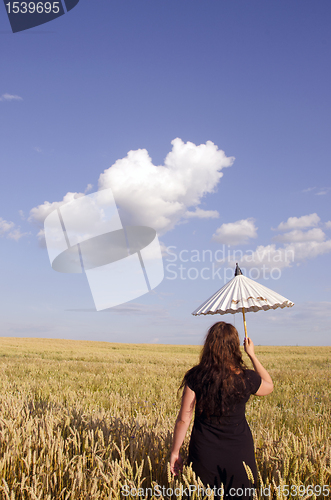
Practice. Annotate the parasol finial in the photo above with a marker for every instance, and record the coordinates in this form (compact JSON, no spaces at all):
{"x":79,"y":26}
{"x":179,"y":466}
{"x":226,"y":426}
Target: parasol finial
{"x":238,"y":270}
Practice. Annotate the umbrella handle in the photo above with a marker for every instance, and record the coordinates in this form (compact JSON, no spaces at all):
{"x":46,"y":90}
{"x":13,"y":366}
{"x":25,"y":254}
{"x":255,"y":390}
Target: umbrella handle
{"x":245,"y":323}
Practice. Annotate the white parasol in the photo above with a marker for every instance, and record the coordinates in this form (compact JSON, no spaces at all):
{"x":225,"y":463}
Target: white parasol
{"x":242,"y":294}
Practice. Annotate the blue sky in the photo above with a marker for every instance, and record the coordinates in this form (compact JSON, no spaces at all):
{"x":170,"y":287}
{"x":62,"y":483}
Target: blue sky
{"x":250,"y":78}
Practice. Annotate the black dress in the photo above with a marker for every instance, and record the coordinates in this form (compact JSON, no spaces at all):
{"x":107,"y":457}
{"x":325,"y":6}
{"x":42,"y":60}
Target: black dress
{"x":219,"y":445}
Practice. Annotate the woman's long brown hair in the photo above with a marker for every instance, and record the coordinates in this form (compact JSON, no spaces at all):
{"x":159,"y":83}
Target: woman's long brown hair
{"x":218,"y":379}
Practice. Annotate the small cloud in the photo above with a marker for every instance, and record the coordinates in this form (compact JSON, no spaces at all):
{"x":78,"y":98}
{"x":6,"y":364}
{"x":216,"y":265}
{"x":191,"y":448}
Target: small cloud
{"x":203,"y":214}
{"x":297,"y":246}
{"x":236,"y":233}
{"x":5,"y":226}
{"x":297,"y":235}
{"x":8,"y":229}
{"x":269,"y":257}
{"x":21,"y":213}
{"x":10,"y":97}
{"x":16,"y":234}
{"x":320,"y":191}
{"x":299,"y":222}
{"x":39,"y":150}
{"x":88,"y":188}
{"x":323,"y":191}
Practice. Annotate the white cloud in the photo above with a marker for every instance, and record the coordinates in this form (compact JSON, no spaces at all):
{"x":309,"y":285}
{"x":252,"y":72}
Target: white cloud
{"x":16,"y":234}
{"x":202,"y":214}
{"x":87,"y":217}
{"x":5,"y":226}
{"x":266,"y":257}
{"x":160,"y":196}
{"x":297,"y":247}
{"x":156,"y":196}
{"x":299,"y":222}
{"x":297,"y":235}
{"x":269,"y":256}
{"x":236,"y":233}
{"x":9,"y":230}
{"x":309,"y":250}
{"x":10,"y":97}
{"x":328,"y":224}
{"x":320,"y":192}
{"x":38,"y":150}
{"x":38,"y":214}
{"x":323,"y":191}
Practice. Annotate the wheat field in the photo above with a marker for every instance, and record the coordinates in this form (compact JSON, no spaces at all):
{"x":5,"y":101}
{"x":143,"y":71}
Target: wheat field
{"x":94,"y":420}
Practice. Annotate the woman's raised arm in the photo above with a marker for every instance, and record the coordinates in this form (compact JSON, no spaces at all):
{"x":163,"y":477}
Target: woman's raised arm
{"x":267,"y":385}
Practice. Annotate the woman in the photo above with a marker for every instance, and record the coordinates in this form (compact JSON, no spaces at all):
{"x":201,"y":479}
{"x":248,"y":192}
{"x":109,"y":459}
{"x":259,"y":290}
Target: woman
{"x":220,"y":386}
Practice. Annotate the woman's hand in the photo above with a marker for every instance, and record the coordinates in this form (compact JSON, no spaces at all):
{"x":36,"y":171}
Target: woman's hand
{"x":176,"y":463}
{"x":249,"y":346}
